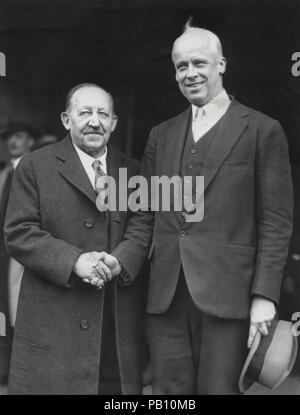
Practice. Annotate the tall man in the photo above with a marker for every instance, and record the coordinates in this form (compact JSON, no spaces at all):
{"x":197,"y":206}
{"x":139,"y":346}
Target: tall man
{"x":71,"y":338}
{"x":214,"y":282}
{"x":19,"y":138}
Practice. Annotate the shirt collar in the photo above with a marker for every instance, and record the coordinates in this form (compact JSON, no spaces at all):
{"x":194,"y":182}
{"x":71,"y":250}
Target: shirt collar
{"x":217,"y":104}
{"x":15,"y":162}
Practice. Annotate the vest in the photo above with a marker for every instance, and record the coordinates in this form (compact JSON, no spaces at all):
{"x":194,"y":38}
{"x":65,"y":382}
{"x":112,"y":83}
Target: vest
{"x":194,"y":154}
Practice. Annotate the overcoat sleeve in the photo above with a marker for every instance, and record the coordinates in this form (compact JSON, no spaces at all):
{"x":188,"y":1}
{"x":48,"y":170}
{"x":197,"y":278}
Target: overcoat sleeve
{"x":133,"y":250}
{"x":274,"y":202}
{"x":36,"y":249}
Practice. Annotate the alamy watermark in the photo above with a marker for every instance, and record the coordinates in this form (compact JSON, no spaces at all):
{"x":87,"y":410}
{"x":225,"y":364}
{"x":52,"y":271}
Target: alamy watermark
{"x":2,"y":64}
{"x":158,"y":193}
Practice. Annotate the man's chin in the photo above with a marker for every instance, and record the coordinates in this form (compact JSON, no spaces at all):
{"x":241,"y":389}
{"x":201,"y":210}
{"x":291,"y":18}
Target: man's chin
{"x":199,"y":101}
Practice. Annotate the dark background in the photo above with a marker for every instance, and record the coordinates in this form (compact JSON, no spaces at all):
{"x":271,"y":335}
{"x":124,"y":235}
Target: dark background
{"x":125,"y":46}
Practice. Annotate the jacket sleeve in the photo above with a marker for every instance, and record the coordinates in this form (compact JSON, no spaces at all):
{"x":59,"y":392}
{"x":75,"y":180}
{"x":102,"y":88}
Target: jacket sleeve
{"x":36,"y":249}
{"x":274,"y":209}
{"x":133,"y":250}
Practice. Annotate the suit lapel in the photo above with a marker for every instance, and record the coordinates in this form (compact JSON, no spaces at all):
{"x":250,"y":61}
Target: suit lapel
{"x":174,"y":148}
{"x":175,"y":141}
{"x":72,"y":169}
{"x":233,"y":126}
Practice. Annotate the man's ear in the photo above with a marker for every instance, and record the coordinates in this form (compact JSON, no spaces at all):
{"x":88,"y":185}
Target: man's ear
{"x":114,"y":122}
{"x":222,"y":65}
{"x":65,"y":120}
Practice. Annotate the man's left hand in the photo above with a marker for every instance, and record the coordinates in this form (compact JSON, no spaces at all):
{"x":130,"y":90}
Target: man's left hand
{"x":262,"y":313}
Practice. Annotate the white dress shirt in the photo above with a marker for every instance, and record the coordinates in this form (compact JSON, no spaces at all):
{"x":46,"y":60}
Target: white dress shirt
{"x":87,"y":162}
{"x":15,"y":273}
{"x":15,"y":162}
{"x":205,"y":117}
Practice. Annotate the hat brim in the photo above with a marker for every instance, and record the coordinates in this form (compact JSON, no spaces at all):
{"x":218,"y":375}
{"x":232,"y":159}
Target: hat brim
{"x":244,"y":381}
{"x":291,"y":362}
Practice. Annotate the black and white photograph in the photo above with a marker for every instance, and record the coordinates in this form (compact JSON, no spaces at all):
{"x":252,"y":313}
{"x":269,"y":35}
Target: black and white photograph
{"x":149,"y":200}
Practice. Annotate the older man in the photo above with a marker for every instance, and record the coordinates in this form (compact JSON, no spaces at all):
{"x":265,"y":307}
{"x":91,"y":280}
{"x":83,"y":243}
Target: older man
{"x":71,"y":338}
{"x":213,"y":278}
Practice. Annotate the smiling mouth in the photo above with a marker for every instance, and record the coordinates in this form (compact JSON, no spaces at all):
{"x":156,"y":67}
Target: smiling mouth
{"x":195,"y":85}
{"x":93,"y":133}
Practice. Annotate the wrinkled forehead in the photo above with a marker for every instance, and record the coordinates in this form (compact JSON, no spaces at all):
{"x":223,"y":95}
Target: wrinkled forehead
{"x":91,"y":97}
{"x":192,"y":43}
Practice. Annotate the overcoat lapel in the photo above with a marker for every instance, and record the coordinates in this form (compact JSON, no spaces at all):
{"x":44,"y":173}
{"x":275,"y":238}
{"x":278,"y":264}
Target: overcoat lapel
{"x":72,"y":169}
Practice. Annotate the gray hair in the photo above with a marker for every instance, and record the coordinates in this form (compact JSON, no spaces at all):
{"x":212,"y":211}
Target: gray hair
{"x":189,"y":26}
{"x":83,"y":85}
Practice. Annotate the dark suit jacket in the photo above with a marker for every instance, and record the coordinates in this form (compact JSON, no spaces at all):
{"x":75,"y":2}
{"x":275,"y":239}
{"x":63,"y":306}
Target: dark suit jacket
{"x":240,"y":247}
{"x":52,"y":218}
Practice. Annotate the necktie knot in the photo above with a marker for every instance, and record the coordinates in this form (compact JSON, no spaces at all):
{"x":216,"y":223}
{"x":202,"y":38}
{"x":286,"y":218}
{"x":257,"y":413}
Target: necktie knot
{"x":200,"y":112}
{"x":97,"y":165}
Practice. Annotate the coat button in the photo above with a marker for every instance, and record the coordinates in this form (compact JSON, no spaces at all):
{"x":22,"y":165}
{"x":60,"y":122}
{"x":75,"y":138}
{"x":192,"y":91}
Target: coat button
{"x":191,"y":165}
{"x":84,"y":325}
{"x":89,"y":223}
{"x":194,"y":151}
{"x":182,"y":233}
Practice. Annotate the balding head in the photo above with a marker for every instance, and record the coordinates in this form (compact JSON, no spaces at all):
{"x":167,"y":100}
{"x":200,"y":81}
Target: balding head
{"x":76,"y":88}
{"x":203,"y":36}
{"x":199,"y":63}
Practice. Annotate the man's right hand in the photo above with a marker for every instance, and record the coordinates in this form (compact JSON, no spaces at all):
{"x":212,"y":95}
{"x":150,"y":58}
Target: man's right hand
{"x":87,"y":269}
{"x":111,"y":262}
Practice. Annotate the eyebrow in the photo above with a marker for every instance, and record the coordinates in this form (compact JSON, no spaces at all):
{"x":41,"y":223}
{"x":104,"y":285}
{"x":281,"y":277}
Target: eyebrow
{"x":91,"y":107}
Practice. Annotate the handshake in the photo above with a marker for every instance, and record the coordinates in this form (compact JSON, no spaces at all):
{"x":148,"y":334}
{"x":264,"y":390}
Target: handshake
{"x":96,"y":268}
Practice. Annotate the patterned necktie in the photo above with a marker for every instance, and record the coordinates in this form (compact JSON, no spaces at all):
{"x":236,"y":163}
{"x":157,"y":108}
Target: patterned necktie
{"x":100,"y":181}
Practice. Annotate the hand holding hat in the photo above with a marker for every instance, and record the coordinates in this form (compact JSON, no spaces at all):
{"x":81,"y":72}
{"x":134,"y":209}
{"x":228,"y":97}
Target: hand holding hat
{"x":262,"y":313}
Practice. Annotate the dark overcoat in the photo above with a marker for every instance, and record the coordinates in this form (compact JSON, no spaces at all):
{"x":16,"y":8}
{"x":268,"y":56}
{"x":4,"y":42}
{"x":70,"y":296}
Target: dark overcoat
{"x":52,"y":218}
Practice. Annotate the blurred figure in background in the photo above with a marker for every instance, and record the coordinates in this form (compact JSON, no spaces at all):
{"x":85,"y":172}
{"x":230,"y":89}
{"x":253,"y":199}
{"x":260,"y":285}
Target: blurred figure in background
{"x":19,"y":138}
{"x":44,"y":140}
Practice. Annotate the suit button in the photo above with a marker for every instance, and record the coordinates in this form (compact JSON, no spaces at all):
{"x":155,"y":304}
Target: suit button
{"x":191,"y":165}
{"x":296,"y":257}
{"x":182,"y":233}
{"x":89,"y":223}
{"x":84,"y":325}
{"x":194,"y":151}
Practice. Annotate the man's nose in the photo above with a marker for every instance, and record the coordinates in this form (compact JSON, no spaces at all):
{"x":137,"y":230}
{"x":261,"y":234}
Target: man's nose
{"x":191,"y":72}
{"x":94,"y":120}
